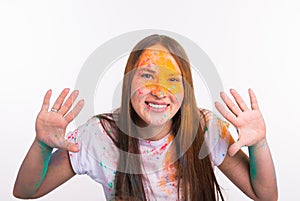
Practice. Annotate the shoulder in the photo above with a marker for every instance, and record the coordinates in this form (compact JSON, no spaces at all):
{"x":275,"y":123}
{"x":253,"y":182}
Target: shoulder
{"x":95,"y":127}
{"x":83,"y":130}
{"x":210,"y":119}
{"x":107,"y":122}
{"x":216,"y":137}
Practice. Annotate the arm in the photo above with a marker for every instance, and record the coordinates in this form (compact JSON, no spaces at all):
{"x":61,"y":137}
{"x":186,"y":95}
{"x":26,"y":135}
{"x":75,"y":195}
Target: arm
{"x":255,"y":175}
{"x":244,"y":174}
{"x":42,"y":170}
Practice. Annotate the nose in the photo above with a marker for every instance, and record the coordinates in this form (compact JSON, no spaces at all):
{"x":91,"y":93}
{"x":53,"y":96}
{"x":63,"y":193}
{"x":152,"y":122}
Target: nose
{"x":159,"y":91}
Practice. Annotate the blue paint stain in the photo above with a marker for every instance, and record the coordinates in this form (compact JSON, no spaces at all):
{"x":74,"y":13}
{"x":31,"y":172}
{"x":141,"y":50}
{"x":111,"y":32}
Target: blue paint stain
{"x":253,"y":163}
{"x":46,"y":152}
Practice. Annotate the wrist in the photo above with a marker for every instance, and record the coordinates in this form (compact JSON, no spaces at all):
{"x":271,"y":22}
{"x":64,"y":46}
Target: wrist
{"x":260,"y":144}
{"x":42,"y":145}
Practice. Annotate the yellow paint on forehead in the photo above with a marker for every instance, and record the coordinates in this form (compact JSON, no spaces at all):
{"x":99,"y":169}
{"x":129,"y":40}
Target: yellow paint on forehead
{"x":166,"y":67}
{"x":158,"y":58}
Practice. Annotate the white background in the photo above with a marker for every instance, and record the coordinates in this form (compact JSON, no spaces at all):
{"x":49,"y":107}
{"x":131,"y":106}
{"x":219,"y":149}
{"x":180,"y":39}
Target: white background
{"x":43,"y":44}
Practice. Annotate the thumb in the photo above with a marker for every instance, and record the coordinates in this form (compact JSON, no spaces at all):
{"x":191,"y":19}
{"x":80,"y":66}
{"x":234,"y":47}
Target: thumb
{"x":235,"y":147}
{"x":69,"y":146}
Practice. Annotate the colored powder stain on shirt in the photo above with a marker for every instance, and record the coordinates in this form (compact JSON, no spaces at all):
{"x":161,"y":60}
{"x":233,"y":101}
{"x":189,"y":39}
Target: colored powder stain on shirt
{"x":224,"y":128}
{"x":102,"y":165}
{"x":170,"y":138}
{"x":164,"y":146}
{"x":110,"y":184}
{"x":165,"y":179}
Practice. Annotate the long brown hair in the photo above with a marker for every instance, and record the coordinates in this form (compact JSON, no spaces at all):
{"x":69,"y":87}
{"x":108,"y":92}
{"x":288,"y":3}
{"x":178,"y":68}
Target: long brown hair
{"x":195,"y":176}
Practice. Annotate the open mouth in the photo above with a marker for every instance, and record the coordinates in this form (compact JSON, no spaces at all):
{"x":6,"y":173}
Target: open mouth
{"x":157,"y":106}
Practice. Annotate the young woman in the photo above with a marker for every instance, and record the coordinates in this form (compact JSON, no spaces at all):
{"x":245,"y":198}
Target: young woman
{"x":158,"y":145}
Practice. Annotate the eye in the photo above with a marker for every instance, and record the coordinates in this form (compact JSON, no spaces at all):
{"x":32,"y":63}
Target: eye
{"x":173,"y":79}
{"x":147,"y":76}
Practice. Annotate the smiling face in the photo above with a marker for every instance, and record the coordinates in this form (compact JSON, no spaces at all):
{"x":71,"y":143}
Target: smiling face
{"x":157,"y":87}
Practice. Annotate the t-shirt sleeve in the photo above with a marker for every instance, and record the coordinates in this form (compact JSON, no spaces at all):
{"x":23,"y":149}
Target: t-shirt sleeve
{"x":216,"y":139}
{"x":97,"y":153}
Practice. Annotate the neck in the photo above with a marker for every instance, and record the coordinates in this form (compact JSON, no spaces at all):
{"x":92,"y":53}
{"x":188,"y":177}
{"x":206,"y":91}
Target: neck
{"x":155,"y":132}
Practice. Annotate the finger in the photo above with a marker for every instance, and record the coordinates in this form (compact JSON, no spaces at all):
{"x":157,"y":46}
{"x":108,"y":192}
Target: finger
{"x":46,"y":101}
{"x":60,"y":99}
{"x":239,"y":100}
{"x":75,"y":111}
{"x":253,"y":100}
{"x":69,"y":102}
{"x":227,"y":115}
{"x":70,"y":146}
{"x":233,"y":108}
{"x":235,"y":147}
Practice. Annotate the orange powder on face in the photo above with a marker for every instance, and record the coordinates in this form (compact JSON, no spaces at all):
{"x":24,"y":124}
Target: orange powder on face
{"x":157,"y":58}
{"x":168,"y":76}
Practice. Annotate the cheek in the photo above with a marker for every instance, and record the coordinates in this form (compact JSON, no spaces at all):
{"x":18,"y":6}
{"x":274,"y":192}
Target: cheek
{"x":175,"y":89}
{"x":178,"y":99}
{"x":139,"y":88}
{"x":138,"y":93}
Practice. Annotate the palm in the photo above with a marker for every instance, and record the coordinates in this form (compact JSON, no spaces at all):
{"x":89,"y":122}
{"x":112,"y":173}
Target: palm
{"x":251,"y":126}
{"x":248,"y":122}
{"x":51,"y":125}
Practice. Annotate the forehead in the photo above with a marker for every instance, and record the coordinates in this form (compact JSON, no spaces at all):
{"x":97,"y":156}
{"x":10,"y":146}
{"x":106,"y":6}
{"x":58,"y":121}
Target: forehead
{"x":158,"y":56}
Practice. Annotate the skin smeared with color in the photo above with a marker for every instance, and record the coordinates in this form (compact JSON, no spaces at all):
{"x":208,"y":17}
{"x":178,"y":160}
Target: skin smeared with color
{"x":253,"y":159}
{"x":158,"y":81}
{"x":253,"y":163}
{"x":163,"y":101}
{"x":46,"y":152}
{"x":168,"y":75}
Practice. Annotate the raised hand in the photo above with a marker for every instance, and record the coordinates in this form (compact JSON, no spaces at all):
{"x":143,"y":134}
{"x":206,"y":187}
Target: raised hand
{"x":248,"y":122}
{"x":51,"y":125}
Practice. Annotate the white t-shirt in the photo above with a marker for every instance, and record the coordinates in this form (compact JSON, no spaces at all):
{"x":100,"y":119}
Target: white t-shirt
{"x":98,"y":157}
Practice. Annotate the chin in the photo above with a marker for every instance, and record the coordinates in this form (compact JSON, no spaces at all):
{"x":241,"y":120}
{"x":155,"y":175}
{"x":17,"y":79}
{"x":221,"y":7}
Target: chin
{"x":158,"y":122}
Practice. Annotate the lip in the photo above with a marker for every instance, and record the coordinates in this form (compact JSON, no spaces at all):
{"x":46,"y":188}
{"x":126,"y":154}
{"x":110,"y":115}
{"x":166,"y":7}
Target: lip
{"x":157,"y":103}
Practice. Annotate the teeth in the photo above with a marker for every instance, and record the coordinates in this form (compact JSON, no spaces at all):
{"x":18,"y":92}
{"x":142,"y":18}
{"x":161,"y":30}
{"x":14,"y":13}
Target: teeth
{"x":157,"y":106}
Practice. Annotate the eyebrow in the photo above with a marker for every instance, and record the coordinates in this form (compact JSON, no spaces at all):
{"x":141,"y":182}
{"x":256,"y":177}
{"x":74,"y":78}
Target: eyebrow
{"x":147,"y":69}
{"x":153,"y":71}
